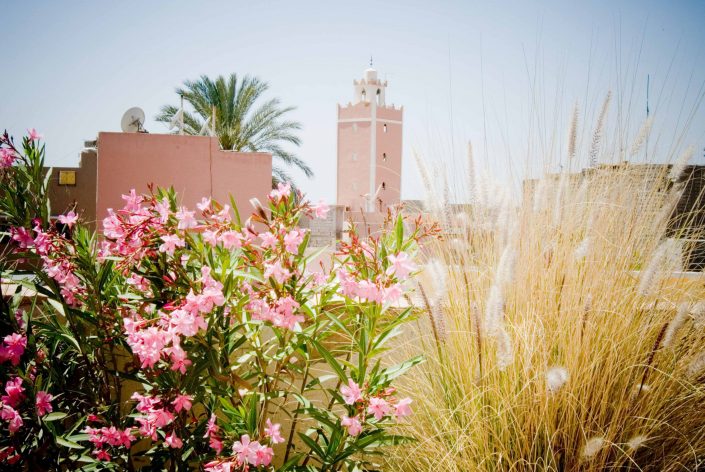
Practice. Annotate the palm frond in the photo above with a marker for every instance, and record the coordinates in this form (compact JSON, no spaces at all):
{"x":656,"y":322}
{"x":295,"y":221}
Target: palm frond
{"x":242,"y":123}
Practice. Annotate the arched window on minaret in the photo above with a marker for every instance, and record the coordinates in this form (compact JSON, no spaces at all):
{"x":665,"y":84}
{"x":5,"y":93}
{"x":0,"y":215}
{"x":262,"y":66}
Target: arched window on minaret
{"x":379,"y":97}
{"x":363,"y":95}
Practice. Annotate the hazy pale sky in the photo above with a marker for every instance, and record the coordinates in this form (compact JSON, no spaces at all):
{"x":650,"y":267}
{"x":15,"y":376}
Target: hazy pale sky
{"x":494,"y":72}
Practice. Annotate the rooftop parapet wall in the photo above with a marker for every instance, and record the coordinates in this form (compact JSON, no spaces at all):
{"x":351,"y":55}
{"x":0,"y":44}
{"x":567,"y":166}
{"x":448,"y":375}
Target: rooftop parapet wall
{"x":80,"y":192}
{"x":194,"y":165}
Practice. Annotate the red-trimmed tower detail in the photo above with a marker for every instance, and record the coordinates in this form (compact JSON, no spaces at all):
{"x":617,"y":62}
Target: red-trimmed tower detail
{"x":369,"y":148}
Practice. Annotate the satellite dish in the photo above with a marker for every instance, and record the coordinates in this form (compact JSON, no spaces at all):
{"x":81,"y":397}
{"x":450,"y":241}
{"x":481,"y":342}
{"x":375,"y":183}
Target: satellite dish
{"x":133,"y":121}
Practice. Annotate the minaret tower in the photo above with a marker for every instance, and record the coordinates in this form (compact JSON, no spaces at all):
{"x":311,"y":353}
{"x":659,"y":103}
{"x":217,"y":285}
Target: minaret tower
{"x":369,"y":148}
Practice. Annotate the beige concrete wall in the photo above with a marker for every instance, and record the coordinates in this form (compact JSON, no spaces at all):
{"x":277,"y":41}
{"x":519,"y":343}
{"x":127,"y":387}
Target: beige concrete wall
{"x":81,"y":196}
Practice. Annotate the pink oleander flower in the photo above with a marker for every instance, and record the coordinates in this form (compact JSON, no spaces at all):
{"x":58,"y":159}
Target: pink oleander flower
{"x":401,"y":265}
{"x":19,"y":318}
{"x":224,"y":215}
{"x":140,"y":283}
{"x":160,"y":417}
{"x":148,"y":344}
{"x":320,"y":209}
{"x":216,"y":444}
{"x":101,"y":455}
{"x":391,"y":294}
{"x":173,"y":441}
{"x":14,"y":392}
{"x":144,"y":403}
{"x":351,"y":392}
{"x":273,"y":432}
{"x":12,"y":348}
{"x":187,"y":323}
{"x":283,"y":315}
{"x":204,"y":205}
{"x":109,"y":435}
{"x":43,"y":403}
{"x":22,"y":236}
{"x":11,"y":416}
{"x":33,"y":135}
{"x":147,"y":428}
{"x":402,"y":408}
{"x":279,"y":273}
{"x":368,"y":290}
{"x":210,"y":237}
{"x":263,"y":455}
{"x":282,"y":191}
{"x":348,"y":285}
{"x":268,"y":239}
{"x":7,"y":157}
{"x":378,"y":407}
{"x":292,"y":240}
{"x":211,"y":427}
{"x":132,"y":201}
{"x":231,"y":239}
{"x":252,"y":452}
{"x":171,"y":242}
{"x":186,"y":219}
{"x":69,"y":219}
{"x":319,"y":278}
{"x":177,"y":356}
{"x":245,"y":450}
{"x":182,"y":402}
{"x":164,"y":209}
{"x":217,"y":466}
{"x":353,"y":425}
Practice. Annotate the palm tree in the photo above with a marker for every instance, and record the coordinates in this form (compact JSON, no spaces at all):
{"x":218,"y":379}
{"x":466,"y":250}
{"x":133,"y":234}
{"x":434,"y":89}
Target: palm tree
{"x":241,"y":124}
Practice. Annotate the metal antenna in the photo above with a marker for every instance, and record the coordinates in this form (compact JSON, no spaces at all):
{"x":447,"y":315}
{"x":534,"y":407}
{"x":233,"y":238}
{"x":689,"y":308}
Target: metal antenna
{"x":648,"y":79}
{"x":646,"y":147}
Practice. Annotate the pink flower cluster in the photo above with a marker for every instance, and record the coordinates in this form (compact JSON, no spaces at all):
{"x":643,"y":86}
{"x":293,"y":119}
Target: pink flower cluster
{"x":130,"y":232}
{"x":282,"y":192}
{"x":7,"y":157}
{"x":154,"y":339}
{"x":12,"y":348}
{"x":381,"y":405}
{"x":212,"y":431}
{"x":14,"y":395}
{"x":290,"y":240}
{"x":385,"y":288}
{"x":281,"y":313}
{"x":157,"y":414}
{"x":43,"y":403}
{"x":111,"y":436}
{"x":56,"y":253}
{"x":250,"y":453}
{"x":377,"y":291}
{"x":69,"y":219}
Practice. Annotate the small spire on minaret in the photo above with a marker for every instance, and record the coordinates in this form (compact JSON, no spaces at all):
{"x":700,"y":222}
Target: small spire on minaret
{"x":370,"y":60}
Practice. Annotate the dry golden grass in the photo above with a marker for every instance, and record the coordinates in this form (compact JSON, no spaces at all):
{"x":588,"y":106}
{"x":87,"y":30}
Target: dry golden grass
{"x":560,"y":340}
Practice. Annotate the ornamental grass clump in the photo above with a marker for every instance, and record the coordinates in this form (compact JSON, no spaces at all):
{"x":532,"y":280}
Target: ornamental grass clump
{"x":187,"y":339}
{"x":572,"y":339}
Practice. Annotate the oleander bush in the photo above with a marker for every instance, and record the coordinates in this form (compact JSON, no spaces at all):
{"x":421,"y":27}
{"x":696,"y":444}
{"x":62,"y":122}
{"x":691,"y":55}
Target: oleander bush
{"x":187,"y":339}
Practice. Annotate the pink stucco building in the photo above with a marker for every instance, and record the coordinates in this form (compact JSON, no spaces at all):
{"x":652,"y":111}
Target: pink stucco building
{"x":194,"y":165}
{"x":369,"y":148}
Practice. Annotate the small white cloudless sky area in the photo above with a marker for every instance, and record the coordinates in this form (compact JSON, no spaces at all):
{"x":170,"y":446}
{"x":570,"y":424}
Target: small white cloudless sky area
{"x":502,"y":74}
